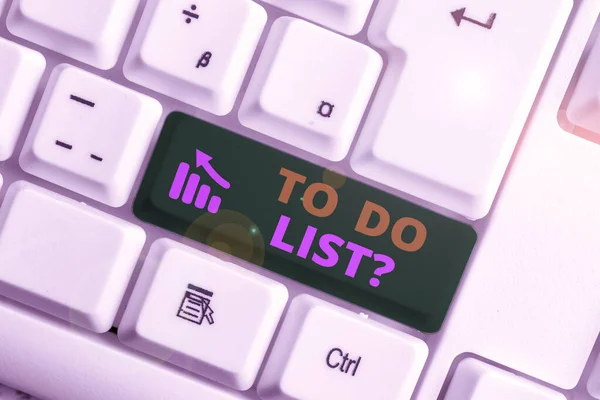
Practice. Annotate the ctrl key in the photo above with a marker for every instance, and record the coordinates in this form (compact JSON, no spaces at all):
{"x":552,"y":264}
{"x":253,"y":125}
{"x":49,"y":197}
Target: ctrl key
{"x":324,"y":352}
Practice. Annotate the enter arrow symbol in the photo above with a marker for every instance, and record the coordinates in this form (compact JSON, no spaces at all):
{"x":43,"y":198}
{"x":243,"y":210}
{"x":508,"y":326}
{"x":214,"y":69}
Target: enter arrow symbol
{"x":459,"y":17}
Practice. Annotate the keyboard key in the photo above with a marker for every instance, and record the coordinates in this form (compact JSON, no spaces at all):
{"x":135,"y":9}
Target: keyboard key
{"x":446,"y":135}
{"x":302,"y":221}
{"x":345,"y":16}
{"x":583,"y":109}
{"x":529,"y":301}
{"x":90,"y":135}
{"x":324,"y":352}
{"x":92,"y":32}
{"x":205,"y":56}
{"x":474,"y":380}
{"x":65,"y":258}
{"x":298,"y":95}
{"x":20,"y":73}
{"x":203,"y":314}
{"x":71,"y":364}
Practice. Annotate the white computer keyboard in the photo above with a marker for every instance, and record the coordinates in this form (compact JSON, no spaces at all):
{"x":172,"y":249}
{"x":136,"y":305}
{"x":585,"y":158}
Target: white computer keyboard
{"x":425,"y":100}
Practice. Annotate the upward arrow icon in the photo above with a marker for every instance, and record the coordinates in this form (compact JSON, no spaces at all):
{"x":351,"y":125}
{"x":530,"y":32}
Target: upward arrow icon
{"x":459,"y":17}
{"x":203,"y":160}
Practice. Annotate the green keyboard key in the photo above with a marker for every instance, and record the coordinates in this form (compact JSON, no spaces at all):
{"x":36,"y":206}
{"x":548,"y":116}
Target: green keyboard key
{"x":305,"y":222}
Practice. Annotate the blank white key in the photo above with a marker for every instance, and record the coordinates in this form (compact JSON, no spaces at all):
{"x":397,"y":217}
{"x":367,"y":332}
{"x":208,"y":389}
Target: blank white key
{"x":475,"y":380}
{"x":89,"y":31}
{"x":20,"y":73}
{"x":65,"y":258}
{"x":345,"y":16}
{"x":205,"y":55}
{"x":210,"y":317}
{"x":310,"y":88}
{"x":52,"y":361}
{"x":324,"y":352}
{"x":584,"y":108}
{"x":458,"y":89}
{"x":90,"y":135}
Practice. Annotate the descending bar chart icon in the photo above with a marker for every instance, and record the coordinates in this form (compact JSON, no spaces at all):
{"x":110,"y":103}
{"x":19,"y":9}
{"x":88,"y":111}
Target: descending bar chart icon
{"x":186,"y":187}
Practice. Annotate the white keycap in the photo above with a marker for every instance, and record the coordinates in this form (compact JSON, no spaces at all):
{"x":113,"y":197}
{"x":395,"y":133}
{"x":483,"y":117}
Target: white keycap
{"x":2,"y":4}
{"x":210,"y":317}
{"x":1,"y":181}
{"x":324,"y":352}
{"x":584,"y":108}
{"x":456,"y":95}
{"x":529,"y":300}
{"x":92,"y":32}
{"x":310,"y":88}
{"x":90,"y":135}
{"x":204,"y":58}
{"x":53,"y":361}
{"x":65,"y":258}
{"x":345,"y":16}
{"x":474,"y":380}
{"x":20,"y":73}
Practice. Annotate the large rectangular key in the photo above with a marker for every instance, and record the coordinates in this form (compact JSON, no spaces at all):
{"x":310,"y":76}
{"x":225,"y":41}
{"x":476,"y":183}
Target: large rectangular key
{"x":64,"y":257}
{"x":52,"y":360}
{"x":305,"y":222}
{"x":461,"y":80}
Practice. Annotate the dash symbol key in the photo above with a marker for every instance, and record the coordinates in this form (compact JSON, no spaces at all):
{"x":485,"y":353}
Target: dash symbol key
{"x":82,"y":101}
{"x":64,"y":145}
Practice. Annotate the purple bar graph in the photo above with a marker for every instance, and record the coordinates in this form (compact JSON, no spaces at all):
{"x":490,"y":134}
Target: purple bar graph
{"x":214,"y":204}
{"x":190,"y":189}
{"x":179,"y":180}
{"x":202,"y":198}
